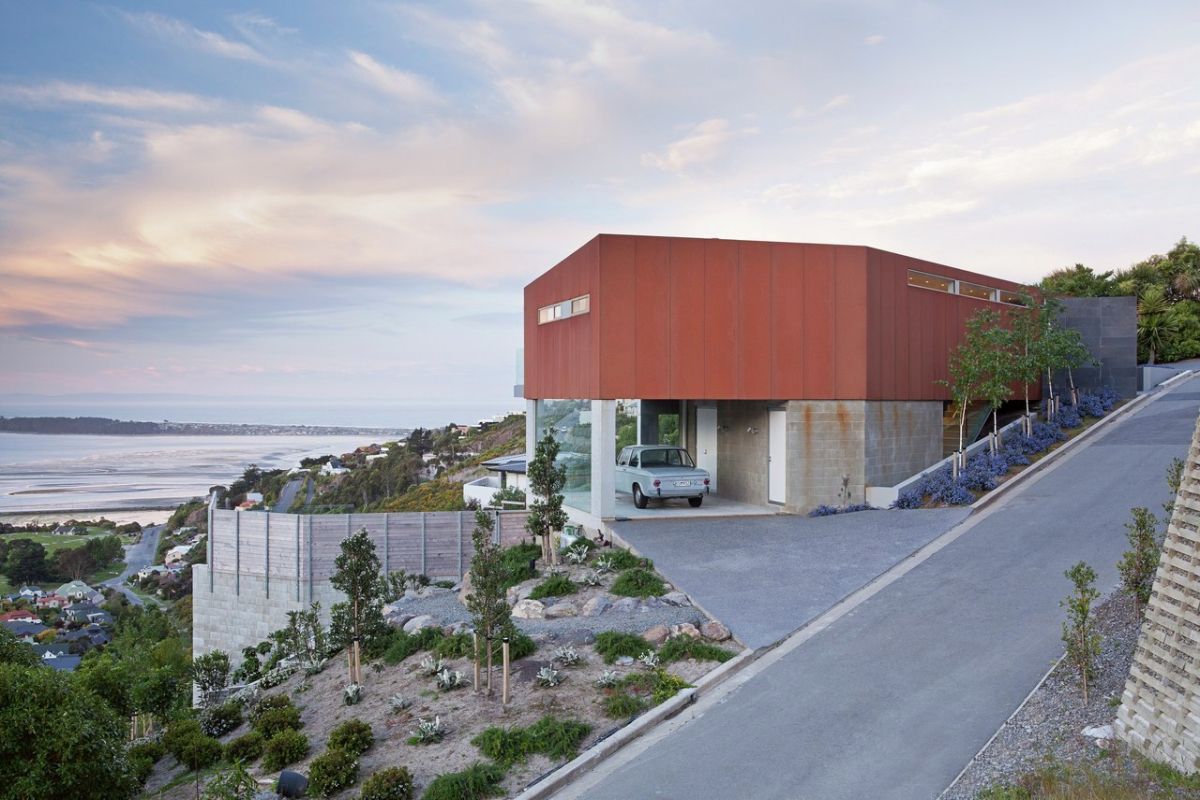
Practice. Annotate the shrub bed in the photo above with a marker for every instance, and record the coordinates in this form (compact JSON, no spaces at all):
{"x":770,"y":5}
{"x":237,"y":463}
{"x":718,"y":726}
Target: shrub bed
{"x":331,"y":772}
{"x":390,"y":783}
{"x":638,"y":582}
{"x":556,"y":738}
{"x":611,"y":645}
{"x":477,"y":781}
{"x":284,"y":749}
{"x":554,"y":586}
{"x":684,"y":647}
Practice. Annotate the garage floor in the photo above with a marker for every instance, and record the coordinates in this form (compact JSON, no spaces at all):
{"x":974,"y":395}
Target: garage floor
{"x":678,"y":508}
{"x":766,"y":576}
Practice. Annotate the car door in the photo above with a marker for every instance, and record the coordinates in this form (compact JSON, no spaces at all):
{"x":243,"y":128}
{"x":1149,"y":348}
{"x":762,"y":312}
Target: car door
{"x":622,"y":483}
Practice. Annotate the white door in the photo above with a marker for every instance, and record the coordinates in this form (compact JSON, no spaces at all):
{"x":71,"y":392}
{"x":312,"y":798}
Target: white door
{"x":777,"y":456}
{"x":706,"y":443}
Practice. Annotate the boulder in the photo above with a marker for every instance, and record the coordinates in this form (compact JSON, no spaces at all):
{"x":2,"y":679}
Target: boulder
{"x":529,"y":609}
{"x":624,"y":661}
{"x":421,"y":623}
{"x":397,"y":620}
{"x":676,"y":599}
{"x":596,"y":606}
{"x":625,"y":605}
{"x":455,"y":628}
{"x":656,"y":635}
{"x":521,"y":591}
{"x":685,"y":629}
{"x":714,"y":631}
{"x":464,"y":588}
{"x":563,"y":608}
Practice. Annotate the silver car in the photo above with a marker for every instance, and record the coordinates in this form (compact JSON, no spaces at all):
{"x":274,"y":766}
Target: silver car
{"x":660,"y":470}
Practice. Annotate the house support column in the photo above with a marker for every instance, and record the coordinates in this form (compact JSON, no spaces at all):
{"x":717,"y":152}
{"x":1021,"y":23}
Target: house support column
{"x":530,"y":429}
{"x":604,"y":458}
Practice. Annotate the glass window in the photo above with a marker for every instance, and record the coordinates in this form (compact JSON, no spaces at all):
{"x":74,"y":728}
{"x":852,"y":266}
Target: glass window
{"x":666,"y":457}
{"x":581,"y":305}
{"x":926,"y":281}
{"x":1012,"y":298}
{"x":975,"y":290}
{"x":545,"y":315}
{"x":570,"y":423}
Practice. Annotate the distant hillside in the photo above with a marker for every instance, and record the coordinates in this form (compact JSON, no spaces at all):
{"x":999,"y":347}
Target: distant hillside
{"x":103,"y":426}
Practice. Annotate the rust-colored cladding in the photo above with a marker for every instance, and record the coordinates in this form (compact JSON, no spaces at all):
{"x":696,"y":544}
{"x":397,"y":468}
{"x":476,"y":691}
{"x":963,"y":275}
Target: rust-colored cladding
{"x":719,"y":319}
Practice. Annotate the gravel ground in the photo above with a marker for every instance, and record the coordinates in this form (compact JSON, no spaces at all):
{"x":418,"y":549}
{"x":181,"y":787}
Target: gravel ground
{"x":445,"y":607}
{"x":1050,"y":723}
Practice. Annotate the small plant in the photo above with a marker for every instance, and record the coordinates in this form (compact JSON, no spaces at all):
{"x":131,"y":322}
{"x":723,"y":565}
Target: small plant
{"x":554,"y":586}
{"x":1139,"y":562}
{"x":684,"y":647}
{"x":476,"y":782}
{"x":1174,"y":479}
{"x":567,"y":655}
{"x":548,"y":676}
{"x":623,"y":559}
{"x":247,"y":748}
{"x":638,"y":582}
{"x":505,"y":746}
{"x":220,"y":720}
{"x":623,"y":705}
{"x":449,"y":679}
{"x":558,"y":739}
{"x":604,"y":565}
{"x":284,"y":749}
{"x":577,"y":554}
{"x":354,"y":736}
{"x":398,"y":703}
{"x":666,"y":687}
{"x":331,"y":772}
{"x":389,"y":783}
{"x":275,"y":719}
{"x":649,"y":659}
{"x":611,"y":645}
{"x":352,"y":694}
{"x":591,"y":578}
{"x":427,"y":731}
{"x":1078,"y":632}
{"x":432,"y":665}
{"x":402,"y":645}
{"x":608,"y":679}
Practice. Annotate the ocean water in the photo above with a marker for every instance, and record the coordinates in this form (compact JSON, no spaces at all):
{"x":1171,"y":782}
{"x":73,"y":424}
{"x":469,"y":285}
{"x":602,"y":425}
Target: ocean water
{"x":101,"y":473}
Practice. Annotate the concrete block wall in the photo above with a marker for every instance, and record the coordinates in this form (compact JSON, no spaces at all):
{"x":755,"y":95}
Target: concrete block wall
{"x":902,"y":438}
{"x":825,"y":440}
{"x":1108,"y":326}
{"x":742,"y":442}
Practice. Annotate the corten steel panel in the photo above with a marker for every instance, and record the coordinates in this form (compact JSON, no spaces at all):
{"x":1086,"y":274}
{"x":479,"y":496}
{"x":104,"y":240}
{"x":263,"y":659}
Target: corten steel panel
{"x":720,"y":318}
{"x":652,"y":260}
{"x":755,"y":312}
{"x":711,"y":319}
{"x":618,"y":316}
{"x":787,"y":322}
{"x":686,"y":301}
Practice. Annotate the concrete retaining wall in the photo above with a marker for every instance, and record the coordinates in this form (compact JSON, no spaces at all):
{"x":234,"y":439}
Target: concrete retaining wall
{"x":1108,"y":326}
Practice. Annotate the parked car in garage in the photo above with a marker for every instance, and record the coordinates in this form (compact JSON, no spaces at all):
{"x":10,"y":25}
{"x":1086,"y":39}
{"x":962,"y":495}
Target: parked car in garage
{"x":660,"y":471}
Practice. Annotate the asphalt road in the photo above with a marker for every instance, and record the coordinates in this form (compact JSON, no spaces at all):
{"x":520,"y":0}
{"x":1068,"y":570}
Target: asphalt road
{"x":137,"y":556}
{"x":287,"y":495}
{"x":893,"y":699}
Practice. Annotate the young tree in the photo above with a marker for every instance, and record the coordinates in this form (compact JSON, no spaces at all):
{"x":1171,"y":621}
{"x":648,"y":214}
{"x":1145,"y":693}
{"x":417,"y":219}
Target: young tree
{"x":991,"y":342}
{"x":1027,"y":328}
{"x":487,"y":603}
{"x":1174,"y":479}
{"x":360,"y":618}
{"x":546,"y":480}
{"x":1155,"y":324}
{"x":1078,"y":632}
{"x":1139,"y":562}
{"x":304,"y":637}
{"x":967,"y":377}
{"x":210,"y":673}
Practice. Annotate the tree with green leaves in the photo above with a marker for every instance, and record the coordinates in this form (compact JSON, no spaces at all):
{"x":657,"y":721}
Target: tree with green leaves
{"x":1174,"y":480}
{"x":546,"y":480}
{"x":1139,"y":563}
{"x":360,"y":618}
{"x":1079,"y":631}
{"x":233,"y":783}
{"x":210,"y":674}
{"x":304,"y":637}
{"x":991,"y":344}
{"x":968,"y":376}
{"x":1155,"y":324}
{"x":487,"y":601}
{"x":1026,"y":327}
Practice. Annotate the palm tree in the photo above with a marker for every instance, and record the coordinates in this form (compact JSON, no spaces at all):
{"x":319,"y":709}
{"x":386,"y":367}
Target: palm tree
{"x":1155,"y":324}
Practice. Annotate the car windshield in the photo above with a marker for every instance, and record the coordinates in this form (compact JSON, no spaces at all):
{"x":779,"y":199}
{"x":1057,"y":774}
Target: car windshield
{"x":666,"y":457}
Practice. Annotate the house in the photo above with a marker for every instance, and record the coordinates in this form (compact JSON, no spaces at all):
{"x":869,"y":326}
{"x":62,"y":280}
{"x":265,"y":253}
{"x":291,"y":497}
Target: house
{"x":64,"y":663}
{"x":80,"y":613}
{"x":78,"y":591}
{"x":795,"y":374}
{"x":20,"y":615}
{"x":52,"y":601}
{"x":25,"y":631}
{"x":153,"y":569}
{"x":509,"y":471}
{"x":91,"y":635}
{"x":48,"y":651}
{"x":30,"y":592}
{"x":177,"y":554}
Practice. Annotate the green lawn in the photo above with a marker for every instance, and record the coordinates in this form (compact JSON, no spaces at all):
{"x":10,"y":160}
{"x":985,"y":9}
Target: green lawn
{"x":53,"y":544}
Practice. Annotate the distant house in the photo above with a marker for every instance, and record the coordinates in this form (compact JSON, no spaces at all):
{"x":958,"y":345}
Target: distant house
{"x":48,"y":651}
{"x":509,"y":472}
{"x":78,"y":591}
{"x":91,"y":635}
{"x":80,"y":613}
{"x":30,"y":592}
{"x":178,"y":553}
{"x":153,"y":569}
{"x":25,"y":631}
{"x":254,"y":497}
{"x":21,"y":615}
{"x":52,"y":601}
{"x":63,"y":663}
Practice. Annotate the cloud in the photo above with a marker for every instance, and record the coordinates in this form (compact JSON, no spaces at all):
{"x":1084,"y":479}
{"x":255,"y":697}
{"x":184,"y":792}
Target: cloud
{"x":703,"y":143}
{"x":837,"y":102}
{"x":874,"y":39}
{"x":197,"y":38}
{"x":389,"y":80}
{"x":57,"y":93}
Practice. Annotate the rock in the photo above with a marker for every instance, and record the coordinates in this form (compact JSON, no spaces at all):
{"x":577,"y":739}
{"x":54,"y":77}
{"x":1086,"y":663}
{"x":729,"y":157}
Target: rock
{"x":564,"y":608}
{"x":676,"y":599}
{"x":521,"y":591}
{"x":397,"y":620}
{"x":650,"y":602}
{"x":465,"y":589}
{"x":529,"y":609}
{"x":685,"y":629}
{"x":1098,"y":731}
{"x":421,"y":623}
{"x":656,"y":635}
{"x":714,"y":631}
{"x":456,"y":628}
{"x":624,"y":661}
{"x":625,"y":605}
{"x":410,"y":594}
{"x":596,"y":606}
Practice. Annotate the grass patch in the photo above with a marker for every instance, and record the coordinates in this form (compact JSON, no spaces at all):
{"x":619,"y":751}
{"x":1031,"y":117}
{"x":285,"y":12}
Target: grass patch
{"x":557,"y":738}
{"x":554,"y":586}
{"x":517,"y":560}
{"x":1059,"y":781}
{"x":474,"y":783}
{"x":659,"y":685}
{"x":622,"y":560}
{"x":684,"y":647}
{"x":403,"y":645}
{"x":623,"y":705}
{"x":611,"y":645}
{"x":638,"y":582}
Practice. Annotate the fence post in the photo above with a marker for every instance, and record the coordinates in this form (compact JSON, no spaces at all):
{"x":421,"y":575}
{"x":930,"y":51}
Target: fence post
{"x":212,"y":533}
{"x":387,"y":543}
{"x":496,"y":533}
{"x":297,"y":558}
{"x":237,"y":554}
{"x":310,"y":563}
{"x":267,"y":567}
{"x":423,"y":561}
{"x":460,"y":544}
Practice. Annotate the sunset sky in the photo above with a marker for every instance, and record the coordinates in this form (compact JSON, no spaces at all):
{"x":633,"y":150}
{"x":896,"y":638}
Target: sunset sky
{"x":345,"y":199}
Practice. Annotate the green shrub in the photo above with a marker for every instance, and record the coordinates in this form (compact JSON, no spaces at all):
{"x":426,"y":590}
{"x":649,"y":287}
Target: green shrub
{"x":247,"y":748}
{"x":611,"y":645}
{"x":684,"y":647}
{"x":554,"y":586}
{"x":515,"y":561}
{"x":402,"y":645}
{"x":1004,"y":792}
{"x":638,"y":582}
{"x":460,"y":645}
{"x":558,"y":738}
{"x":142,"y":758}
{"x":476,"y":782}
{"x":222,"y":719}
{"x":284,"y":749}
{"x":622,"y":560}
{"x":274,"y":720}
{"x":667,"y":687}
{"x":622,"y":705}
{"x":354,"y":736}
{"x":331,"y":772}
{"x":199,"y":752}
{"x":390,"y":783}
{"x":505,"y":746}
{"x":179,"y":734}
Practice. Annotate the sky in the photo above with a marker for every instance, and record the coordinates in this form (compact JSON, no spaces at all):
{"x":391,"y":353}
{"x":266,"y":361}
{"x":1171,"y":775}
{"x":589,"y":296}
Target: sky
{"x":343,"y":201}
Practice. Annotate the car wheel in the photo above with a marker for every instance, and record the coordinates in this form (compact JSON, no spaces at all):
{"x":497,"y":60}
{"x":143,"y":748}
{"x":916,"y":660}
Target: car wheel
{"x":639,"y":499}
{"x":695,"y":502}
